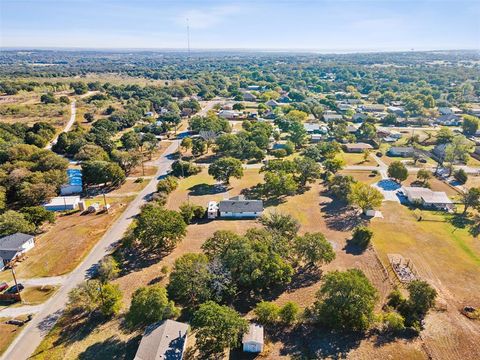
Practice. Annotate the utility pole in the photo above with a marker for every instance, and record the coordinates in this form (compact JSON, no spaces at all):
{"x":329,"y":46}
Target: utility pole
{"x":15,"y":281}
{"x":105,"y":201}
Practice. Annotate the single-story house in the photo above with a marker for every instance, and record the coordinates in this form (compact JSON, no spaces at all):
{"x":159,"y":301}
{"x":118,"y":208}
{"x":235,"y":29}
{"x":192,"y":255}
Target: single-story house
{"x":239,"y":207}
{"x":249,"y":97}
{"x":448,"y":120}
{"x":272,"y":103}
{"x":62,"y":203}
{"x":357,"y":147}
{"x":344,"y":107}
{"x":352,"y":129}
{"x":428,"y":198}
{"x":163,"y":340}
{"x":254,"y":87}
{"x":74,"y":183}
{"x":396,"y":110}
{"x":373,"y":108}
{"x":311,"y":128}
{"x":403,"y":151}
{"x":212,"y":210}
{"x":12,"y":246}
{"x":228,"y":114}
{"x":315,"y":138}
{"x":332,"y":117}
{"x":359,"y":117}
{"x":445,"y":110}
{"x":253,"y":340}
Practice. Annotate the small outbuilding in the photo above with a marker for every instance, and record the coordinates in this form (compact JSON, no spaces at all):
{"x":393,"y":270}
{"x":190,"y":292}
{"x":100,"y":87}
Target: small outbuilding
{"x":12,"y":246}
{"x":253,"y":340}
{"x":212,"y":210}
{"x":164,"y":340}
{"x":62,"y":203}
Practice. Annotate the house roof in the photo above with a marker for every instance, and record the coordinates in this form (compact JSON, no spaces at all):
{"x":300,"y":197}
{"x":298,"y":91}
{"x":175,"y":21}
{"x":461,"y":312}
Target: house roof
{"x":239,"y":204}
{"x":63,"y":200}
{"x":74,"y":177}
{"x":164,"y":340}
{"x":311,"y":127}
{"x":427,"y":195}
{"x":359,"y":146}
{"x":401,"y":149}
{"x":254,"y":334}
{"x":14,"y":242}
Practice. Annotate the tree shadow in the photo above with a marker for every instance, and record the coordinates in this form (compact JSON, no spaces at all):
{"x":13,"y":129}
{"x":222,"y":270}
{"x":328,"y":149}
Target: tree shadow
{"x":353,"y":249}
{"x":384,"y":337}
{"x":206,"y":189}
{"x":112,"y":348}
{"x":311,"y":342}
{"x":304,"y":277}
{"x":136,"y":258}
{"x":460,"y":221}
{"x":340,"y":217}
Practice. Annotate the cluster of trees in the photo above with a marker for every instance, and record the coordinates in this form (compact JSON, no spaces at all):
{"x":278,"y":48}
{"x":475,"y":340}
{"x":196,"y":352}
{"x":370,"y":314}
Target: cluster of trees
{"x":345,"y":188}
{"x":287,"y":177}
{"x":29,"y":176}
{"x":411,"y":311}
{"x":249,"y":144}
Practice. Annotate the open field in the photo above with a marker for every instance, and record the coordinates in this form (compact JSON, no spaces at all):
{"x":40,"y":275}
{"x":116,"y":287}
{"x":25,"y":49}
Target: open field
{"x":8,"y":333}
{"x":356,"y":159}
{"x":54,"y":114}
{"x":66,"y":243}
{"x":201,"y":188}
{"x":367,"y":177}
{"x":449,"y":259}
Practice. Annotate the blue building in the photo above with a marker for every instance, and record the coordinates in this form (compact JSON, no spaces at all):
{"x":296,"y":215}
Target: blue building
{"x":74,"y":184}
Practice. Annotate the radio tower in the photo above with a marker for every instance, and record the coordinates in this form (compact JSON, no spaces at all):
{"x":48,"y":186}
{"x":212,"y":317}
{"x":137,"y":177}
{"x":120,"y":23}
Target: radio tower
{"x":188,"y":38}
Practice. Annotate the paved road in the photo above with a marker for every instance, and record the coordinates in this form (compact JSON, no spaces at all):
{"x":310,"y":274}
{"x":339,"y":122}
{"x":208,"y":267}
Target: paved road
{"x":31,"y":336}
{"x":68,"y":126}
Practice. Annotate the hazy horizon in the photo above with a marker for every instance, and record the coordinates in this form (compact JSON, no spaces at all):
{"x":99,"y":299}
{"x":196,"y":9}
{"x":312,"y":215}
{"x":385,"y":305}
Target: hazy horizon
{"x":324,"y":26}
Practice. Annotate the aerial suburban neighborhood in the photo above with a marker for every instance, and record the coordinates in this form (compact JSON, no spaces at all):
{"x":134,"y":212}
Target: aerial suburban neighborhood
{"x":233,"y":203}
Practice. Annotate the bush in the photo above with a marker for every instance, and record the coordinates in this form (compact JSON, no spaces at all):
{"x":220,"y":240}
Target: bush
{"x":150,"y":304}
{"x":393,"y":321}
{"x":288,"y":313}
{"x":184,"y":168}
{"x":362,"y":236}
{"x":395,"y":299}
{"x":461,"y":176}
{"x":266,"y":312}
{"x":167,"y":185}
{"x":279,"y":153}
{"x":111,"y":299}
{"x":190,"y":212}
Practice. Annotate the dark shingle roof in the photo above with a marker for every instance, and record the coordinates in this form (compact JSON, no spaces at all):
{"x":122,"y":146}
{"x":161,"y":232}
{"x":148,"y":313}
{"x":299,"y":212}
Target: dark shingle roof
{"x":14,"y":242}
{"x":239,"y":204}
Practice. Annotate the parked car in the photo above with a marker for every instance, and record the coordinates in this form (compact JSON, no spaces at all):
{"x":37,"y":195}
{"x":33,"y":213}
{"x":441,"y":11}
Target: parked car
{"x":14,"y":290}
{"x":3,"y":286}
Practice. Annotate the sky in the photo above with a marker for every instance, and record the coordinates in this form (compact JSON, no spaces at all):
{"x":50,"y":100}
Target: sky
{"x":322,"y":25}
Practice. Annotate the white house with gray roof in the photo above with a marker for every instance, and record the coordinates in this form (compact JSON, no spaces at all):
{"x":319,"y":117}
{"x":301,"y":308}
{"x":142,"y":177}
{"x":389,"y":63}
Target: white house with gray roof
{"x":164,"y":340}
{"x":240,"y":207}
{"x":12,"y":246}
